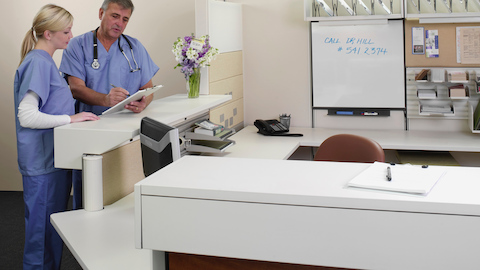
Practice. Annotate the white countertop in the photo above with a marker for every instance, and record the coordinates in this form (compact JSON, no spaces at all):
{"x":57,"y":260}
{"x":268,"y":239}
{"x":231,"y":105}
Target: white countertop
{"x":250,"y":144}
{"x":99,"y":239}
{"x":97,"y":137}
{"x":306,"y":183}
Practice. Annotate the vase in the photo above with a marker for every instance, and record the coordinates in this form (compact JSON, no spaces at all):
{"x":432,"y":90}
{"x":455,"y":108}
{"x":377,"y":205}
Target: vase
{"x":193,"y":84}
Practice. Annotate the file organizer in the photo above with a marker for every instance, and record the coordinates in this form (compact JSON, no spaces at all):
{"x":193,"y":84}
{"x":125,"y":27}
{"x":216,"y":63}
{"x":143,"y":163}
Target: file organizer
{"x":317,"y":10}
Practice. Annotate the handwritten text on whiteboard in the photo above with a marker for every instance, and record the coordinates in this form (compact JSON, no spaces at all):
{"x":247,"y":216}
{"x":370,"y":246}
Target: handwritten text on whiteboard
{"x":356,"y":46}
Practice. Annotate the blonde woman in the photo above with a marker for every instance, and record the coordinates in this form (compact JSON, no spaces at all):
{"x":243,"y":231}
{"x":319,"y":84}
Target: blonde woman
{"x":43,"y":101}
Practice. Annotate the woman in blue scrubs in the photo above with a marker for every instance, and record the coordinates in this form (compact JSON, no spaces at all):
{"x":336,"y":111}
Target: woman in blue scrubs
{"x":43,"y":101}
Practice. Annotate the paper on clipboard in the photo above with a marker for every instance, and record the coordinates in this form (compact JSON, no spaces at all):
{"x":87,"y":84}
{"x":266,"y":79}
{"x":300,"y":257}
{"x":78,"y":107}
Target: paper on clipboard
{"x":138,"y":95}
{"x":404,"y":178}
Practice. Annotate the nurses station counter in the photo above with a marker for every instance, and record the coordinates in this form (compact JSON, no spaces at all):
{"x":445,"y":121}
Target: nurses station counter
{"x":302,"y":212}
{"x":112,"y":130}
{"x":251,"y":203}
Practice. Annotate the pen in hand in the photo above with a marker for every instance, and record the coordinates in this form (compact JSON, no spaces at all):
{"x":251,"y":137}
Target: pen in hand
{"x":116,"y":87}
{"x":389,"y":174}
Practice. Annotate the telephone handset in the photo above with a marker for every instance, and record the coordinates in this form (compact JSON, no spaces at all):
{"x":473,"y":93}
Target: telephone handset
{"x":272,"y":128}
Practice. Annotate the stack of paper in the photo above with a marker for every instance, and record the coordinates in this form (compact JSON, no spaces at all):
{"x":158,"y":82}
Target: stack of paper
{"x":457,"y":91}
{"x":404,"y":178}
{"x":427,"y":93}
{"x":436,"y":109}
{"x":458,"y":76}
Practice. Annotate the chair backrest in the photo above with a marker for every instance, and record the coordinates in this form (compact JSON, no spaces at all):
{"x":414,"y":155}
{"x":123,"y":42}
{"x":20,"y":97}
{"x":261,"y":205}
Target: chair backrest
{"x":350,"y":148}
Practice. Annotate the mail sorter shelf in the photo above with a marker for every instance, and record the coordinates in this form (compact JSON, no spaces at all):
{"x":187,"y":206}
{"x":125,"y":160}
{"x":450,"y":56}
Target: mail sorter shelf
{"x":442,"y":75}
{"x":207,"y":144}
{"x":201,"y":143}
{"x":457,"y":91}
{"x":345,"y":10}
{"x":439,"y":93}
{"x":435,"y":109}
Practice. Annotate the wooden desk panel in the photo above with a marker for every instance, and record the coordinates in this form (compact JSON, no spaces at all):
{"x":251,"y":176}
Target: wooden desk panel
{"x":181,"y":261}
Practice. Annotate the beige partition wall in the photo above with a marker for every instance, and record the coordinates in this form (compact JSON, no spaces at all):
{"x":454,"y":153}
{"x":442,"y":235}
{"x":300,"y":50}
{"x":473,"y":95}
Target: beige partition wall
{"x":122,"y":168}
{"x":222,"y":21}
{"x":226,"y":78}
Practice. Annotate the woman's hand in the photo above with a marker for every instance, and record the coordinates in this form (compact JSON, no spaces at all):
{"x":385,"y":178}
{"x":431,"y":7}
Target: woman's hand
{"x":83,"y":116}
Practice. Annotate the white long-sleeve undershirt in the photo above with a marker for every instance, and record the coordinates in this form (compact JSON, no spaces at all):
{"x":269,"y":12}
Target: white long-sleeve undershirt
{"x":30,"y":117}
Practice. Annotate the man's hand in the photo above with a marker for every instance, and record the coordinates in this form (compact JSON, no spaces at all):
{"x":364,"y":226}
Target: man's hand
{"x":116,"y":95}
{"x":137,"y":106}
{"x":140,"y":105}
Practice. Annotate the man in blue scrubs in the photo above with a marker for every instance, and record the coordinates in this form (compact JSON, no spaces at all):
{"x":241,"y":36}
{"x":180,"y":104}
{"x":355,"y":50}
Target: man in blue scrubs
{"x":104,"y":66}
{"x":103,"y":75}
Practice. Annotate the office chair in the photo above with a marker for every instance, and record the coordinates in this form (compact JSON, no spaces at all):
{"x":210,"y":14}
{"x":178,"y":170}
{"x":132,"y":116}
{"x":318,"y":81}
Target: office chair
{"x":350,"y":148}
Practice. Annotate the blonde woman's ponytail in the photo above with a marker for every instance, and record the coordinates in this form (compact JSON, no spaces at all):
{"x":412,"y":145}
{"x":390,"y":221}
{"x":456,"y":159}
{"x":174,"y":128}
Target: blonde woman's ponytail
{"x":28,"y":43}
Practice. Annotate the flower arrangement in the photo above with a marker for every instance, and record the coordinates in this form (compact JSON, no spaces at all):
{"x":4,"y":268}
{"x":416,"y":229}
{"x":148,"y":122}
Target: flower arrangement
{"x":191,"y":53}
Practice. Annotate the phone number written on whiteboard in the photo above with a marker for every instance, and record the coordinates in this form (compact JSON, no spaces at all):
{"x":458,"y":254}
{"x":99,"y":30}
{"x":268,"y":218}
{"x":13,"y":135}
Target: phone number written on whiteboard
{"x":354,"y":46}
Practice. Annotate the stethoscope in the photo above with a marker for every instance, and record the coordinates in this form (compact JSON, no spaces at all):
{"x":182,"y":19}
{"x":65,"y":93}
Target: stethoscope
{"x":96,"y":64}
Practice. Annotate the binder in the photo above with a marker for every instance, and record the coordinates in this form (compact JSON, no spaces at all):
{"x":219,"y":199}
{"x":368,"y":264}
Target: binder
{"x":476,"y":117}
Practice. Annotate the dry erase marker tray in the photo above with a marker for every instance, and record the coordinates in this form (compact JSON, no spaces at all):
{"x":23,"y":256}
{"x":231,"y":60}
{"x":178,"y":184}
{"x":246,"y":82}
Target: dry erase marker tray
{"x":358,"y":112}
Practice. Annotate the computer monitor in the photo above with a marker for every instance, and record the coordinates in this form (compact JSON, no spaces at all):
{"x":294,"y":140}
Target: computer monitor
{"x":160,"y":145}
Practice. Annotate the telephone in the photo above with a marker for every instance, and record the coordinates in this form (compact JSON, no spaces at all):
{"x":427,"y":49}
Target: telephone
{"x":272,"y":128}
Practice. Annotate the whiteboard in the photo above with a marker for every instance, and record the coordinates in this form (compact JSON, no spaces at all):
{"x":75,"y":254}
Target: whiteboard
{"x":358,"y":66}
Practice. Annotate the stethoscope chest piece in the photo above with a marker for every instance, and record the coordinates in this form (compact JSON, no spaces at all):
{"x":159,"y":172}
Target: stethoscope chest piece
{"x":95,"y":64}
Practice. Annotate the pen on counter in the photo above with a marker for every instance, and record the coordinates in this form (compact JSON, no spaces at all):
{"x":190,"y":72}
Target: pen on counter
{"x":389,"y":174}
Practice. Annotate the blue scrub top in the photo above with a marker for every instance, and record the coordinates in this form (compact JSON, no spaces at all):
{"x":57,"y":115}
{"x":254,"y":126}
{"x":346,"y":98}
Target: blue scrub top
{"x":114,"y":69}
{"x":39,"y":73}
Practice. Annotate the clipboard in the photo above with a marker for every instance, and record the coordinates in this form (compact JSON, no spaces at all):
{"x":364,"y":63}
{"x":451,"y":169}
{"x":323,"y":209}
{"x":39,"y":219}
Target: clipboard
{"x":405,"y":178}
{"x":138,"y":95}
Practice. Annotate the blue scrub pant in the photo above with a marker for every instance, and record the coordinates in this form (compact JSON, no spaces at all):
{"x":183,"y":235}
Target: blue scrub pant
{"x":77,"y":189}
{"x":44,"y":195}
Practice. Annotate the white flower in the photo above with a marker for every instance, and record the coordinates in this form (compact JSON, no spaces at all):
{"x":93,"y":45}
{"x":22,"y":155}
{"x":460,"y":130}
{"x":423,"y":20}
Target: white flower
{"x":192,"y":54}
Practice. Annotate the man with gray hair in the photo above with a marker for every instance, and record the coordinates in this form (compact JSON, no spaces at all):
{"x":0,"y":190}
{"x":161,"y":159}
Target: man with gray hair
{"x":98,"y":60}
{"x":104,"y":66}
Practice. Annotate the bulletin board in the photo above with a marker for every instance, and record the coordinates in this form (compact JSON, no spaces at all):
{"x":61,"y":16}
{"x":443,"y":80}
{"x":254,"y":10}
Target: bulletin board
{"x":446,"y":44}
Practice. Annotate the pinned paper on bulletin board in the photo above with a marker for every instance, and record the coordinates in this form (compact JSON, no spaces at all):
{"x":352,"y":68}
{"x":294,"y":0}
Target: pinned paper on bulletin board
{"x":431,"y":41}
{"x":468,"y":51}
{"x":418,"y":40}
